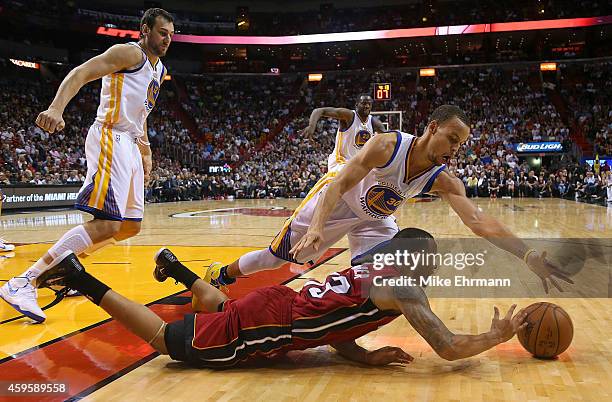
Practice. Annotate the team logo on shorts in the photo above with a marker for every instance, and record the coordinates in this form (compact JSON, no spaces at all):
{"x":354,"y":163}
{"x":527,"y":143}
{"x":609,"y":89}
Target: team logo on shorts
{"x":152,"y":93}
{"x":383,"y":200}
{"x":362,"y":137}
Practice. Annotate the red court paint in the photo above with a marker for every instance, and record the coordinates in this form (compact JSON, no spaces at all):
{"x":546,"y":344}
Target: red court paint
{"x":91,"y":358}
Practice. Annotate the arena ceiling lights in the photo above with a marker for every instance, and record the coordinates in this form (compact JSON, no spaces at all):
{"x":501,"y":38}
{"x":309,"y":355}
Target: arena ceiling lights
{"x":427,"y":72}
{"x":548,"y":66}
{"x":23,"y":63}
{"x":370,"y":35}
{"x":381,"y":34}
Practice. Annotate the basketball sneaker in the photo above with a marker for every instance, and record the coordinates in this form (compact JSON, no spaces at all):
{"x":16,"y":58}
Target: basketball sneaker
{"x":63,"y":268}
{"x":163,"y":259}
{"x":19,"y":293}
{"x":214,"y":275}
{"x":5,"y":247}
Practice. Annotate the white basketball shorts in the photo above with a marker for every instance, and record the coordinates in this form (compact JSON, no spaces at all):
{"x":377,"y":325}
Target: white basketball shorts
{"x":114,"y":186}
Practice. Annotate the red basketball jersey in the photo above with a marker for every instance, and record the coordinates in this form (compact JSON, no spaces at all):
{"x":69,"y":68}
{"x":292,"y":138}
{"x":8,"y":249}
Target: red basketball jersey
{"x":339,"y":309}
{"x":274,"y":320}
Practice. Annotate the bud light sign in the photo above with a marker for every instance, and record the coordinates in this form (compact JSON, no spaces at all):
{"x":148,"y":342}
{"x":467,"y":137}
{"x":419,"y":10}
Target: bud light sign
{"x":538,"y":147}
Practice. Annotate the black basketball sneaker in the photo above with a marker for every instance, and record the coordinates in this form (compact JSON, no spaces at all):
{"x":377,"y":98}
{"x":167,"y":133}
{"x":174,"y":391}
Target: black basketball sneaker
{"x":68,"y":267}
{"x":163,"y":260}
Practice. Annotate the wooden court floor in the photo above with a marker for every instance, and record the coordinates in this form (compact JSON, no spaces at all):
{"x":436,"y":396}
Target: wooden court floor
{"x":80,"y":345}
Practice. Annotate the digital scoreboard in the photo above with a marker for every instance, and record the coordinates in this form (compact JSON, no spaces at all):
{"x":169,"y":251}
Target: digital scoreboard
{"x":382,"y":91}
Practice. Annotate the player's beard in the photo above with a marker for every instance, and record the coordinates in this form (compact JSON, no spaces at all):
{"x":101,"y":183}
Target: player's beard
{"x":159,"y":50}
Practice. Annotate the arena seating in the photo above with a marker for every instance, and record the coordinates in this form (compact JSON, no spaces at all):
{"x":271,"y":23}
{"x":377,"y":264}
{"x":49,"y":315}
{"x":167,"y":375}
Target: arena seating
{"x":256,"y":129}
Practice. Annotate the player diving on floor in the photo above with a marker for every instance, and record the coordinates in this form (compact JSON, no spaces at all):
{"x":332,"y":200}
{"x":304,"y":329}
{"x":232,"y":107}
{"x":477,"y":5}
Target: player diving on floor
{"x":273,"y":320}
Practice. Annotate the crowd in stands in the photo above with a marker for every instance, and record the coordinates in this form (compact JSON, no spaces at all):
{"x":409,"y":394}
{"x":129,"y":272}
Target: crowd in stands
{"x":233,"y":116}
{"x":586,"y":89}
{"x":501,"y":104}
{"x":495,"y":172}
{"x":246,"y":106}
{"x":27,"y":153}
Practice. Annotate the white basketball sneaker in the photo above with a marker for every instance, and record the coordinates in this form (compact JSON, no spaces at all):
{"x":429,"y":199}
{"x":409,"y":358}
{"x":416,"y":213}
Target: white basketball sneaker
{"x":5,"y":247}
{"x":21,"y":295}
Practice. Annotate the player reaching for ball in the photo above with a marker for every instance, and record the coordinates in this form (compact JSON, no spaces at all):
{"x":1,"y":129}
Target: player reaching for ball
{"x":273,"y":320}
{"x":360,"y":198}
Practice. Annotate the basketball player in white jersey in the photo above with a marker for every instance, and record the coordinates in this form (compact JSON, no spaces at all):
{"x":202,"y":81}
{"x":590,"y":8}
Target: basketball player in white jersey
{"x":360,"y":198}
{"x":355,"y":128}
{"x":117,"y":149}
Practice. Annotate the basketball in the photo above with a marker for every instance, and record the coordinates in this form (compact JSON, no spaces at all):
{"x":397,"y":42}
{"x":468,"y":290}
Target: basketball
{"x":549,"y":331}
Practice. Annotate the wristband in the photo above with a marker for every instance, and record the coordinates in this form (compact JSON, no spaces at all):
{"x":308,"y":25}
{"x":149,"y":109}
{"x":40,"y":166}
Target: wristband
{"x":142,"y":142}
{"x":531,"y":250}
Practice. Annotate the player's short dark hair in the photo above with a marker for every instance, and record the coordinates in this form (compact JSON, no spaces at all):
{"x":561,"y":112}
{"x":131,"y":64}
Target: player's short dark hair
{"x":363,"y":95}
{"x":444,"y":113}
{"x":149,"y":17}
{"x":414,"y":240}
{"x":413,"y":233}
{"x":409,"y":239}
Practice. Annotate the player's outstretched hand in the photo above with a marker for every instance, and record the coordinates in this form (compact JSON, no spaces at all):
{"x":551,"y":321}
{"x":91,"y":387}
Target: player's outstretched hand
{"x":51,"y":120}
{"x":546,"y":270}
{"x":312,"y":239}
{"x":504,"y":329}
{"x":388,"y":355}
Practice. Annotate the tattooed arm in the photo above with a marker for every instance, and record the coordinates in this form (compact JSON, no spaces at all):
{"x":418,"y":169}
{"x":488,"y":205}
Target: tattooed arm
{"x":413,"y":303}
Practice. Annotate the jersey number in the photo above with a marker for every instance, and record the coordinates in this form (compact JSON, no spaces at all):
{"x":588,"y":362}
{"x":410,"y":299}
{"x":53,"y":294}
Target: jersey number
{"x":337,"y":284}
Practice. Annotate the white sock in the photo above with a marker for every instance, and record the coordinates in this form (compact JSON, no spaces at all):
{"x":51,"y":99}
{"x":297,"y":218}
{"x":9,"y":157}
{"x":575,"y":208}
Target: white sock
{"x":76,"y":240}
{"x":259,"y":260}
{"x":34,"y":271}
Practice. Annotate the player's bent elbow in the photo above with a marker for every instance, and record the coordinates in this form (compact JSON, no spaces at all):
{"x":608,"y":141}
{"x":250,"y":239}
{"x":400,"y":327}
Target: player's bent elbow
{"x":445,"y":347}
{"x":160,"y":346}
{"x":78,"y":76}
{"x":447,"y":353}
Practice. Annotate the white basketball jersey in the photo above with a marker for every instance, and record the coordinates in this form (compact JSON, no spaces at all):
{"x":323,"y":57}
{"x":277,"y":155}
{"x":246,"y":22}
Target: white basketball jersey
{"x":350,"y":141}
{"x":385,"y":188}
{"x":128,"y":96}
